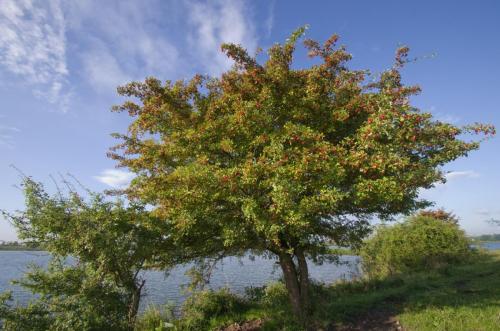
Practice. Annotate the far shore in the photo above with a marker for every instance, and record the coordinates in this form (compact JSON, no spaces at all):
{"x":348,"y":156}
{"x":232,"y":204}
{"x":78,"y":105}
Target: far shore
{"x":19,"y":248}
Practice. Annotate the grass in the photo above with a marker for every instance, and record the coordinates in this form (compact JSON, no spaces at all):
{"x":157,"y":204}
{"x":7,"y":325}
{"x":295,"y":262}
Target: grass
{"x":457,"y":298}
{"x":465,"y":297}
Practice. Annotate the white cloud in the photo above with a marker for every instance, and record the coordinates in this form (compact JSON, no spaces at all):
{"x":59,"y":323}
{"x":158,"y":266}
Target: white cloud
{"x":453,"y":175}
{"x":102,"y":70}
{"x":117,"y":41}
{"x":218,"y":22}
{"x":33,"y":46}
{"x":122,"y":41}
{"x":448,"y":118}
{"x":444,"y":117}
{"x":115,"y":178}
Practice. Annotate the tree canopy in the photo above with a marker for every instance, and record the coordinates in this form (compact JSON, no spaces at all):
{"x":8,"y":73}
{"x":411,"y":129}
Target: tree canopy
{"x":284,"y":160}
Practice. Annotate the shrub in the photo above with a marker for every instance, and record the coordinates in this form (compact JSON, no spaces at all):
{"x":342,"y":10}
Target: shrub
{"x":419,"y":243}
{"x":204,"y":307}
{"x":156,"y":318}
{"x":67,"y":298}
{"x":275,"y":294}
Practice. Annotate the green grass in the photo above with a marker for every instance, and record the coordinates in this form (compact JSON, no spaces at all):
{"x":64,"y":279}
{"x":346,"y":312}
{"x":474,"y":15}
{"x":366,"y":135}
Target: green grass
{"x":465,"y":297}
{"x":457,"y":298}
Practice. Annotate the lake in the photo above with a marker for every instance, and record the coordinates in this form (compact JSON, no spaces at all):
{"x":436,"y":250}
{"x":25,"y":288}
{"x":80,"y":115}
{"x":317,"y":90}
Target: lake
{"x":491,"y":245}
{"x":234,"y":273}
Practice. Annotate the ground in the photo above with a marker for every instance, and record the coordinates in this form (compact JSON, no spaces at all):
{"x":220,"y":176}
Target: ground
{"x":458,"y":298}
{"x":465,"y":297}
{"x":462,"y":297}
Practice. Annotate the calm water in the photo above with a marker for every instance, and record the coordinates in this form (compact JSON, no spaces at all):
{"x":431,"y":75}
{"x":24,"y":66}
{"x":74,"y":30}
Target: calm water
{"x":494,"y":245}
{"x":237,"y":274}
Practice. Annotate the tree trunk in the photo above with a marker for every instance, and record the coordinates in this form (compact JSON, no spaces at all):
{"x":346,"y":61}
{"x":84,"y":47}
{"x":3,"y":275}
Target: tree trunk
{"x":291,"y":283}
{"x":134,"y":305}
{"x":304,"y":283}
{"x":297,"y":283}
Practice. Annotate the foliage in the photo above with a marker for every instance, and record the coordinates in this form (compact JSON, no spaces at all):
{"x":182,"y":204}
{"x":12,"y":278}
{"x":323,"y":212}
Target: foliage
{"x":275,"y":158}
{"x":31,"y":317}
{"x":419,"y":243}
{"x":440,"y":214}
{"x":70,"y":298}
{"x":99,"y":248}
{"x":156,"y":318}
{"x":205,"y":308}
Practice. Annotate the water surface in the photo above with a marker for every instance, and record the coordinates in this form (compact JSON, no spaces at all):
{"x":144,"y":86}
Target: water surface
{"x":234,"y":273}
{"x":490,"y":245}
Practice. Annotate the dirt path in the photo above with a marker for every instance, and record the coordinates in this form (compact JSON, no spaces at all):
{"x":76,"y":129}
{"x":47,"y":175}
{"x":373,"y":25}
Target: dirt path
{"x":374,"y":320}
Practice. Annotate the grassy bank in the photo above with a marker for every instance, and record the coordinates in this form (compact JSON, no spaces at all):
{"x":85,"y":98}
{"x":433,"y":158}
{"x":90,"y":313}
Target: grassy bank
{"x":463,"y":297}
{"x":458,"y":298}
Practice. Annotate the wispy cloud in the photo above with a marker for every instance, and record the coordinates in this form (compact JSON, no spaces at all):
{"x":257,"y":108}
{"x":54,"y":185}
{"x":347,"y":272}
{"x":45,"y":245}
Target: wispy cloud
{"x":33,"y":47}
{"x":217,"y":22}
{"x":102,"y":70}
{"x":444,"y":117}
{"x":108,"y":43}
{"x":484,"y":212}
{"x":115,"y":178}
{"x":122,"y":41}
{"x":269,"y":23}
{"x":453,"y":175}
{"x":6,"y":135}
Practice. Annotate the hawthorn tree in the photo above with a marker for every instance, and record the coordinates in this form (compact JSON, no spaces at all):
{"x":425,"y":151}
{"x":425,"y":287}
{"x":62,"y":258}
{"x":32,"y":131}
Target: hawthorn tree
{"x":282,"y":160}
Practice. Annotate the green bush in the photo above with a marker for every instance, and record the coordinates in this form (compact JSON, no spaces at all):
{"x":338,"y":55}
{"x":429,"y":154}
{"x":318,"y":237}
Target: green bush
{"x":156,"y":318}
{"x":205,"y":308}
{"x":68,"y":298}
{"x":275,"y":294}
{"x":419,"y":243}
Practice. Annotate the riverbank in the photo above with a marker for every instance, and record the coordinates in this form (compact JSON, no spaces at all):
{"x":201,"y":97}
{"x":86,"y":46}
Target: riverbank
{"x":19,"y":248}
{"x":463,"y":297}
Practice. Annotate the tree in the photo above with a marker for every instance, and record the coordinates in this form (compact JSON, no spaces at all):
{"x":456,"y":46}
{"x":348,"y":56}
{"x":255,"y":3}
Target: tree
{"x":276,"y":159}
{"x":109,"y":243}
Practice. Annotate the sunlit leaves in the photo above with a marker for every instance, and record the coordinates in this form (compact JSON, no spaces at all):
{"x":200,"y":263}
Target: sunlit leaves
{"x":269,"y":156}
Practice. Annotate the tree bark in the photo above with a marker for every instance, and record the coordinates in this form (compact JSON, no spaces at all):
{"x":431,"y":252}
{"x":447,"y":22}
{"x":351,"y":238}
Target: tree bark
{"x":297,"y":283}
{"x":304,"y":283}
{"x":291,"y":283}
{"x":134,"y":305}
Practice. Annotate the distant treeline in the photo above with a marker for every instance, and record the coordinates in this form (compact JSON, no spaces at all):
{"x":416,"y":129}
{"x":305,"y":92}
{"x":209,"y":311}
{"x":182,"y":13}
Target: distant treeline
{"x":488,"y":237}
{"x":17,"y":246}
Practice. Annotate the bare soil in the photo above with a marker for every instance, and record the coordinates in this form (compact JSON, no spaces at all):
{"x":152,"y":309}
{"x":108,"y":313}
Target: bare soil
{"x":374,"y":320}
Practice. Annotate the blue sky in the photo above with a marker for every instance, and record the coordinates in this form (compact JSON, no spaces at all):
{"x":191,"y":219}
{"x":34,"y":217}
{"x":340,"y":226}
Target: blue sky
{"x":60,"y":62}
